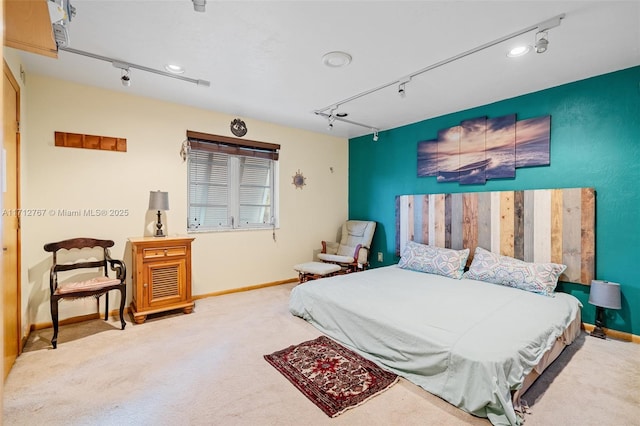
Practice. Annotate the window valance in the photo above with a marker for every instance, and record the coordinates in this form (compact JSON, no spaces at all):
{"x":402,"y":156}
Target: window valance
{"x":234,"y":146}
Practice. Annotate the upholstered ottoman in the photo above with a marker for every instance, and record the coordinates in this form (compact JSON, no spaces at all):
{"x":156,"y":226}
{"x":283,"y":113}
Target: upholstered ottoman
{"x":313,"y":270}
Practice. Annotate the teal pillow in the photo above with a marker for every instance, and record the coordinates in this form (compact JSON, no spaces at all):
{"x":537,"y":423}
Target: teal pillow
{"x":541,"y":278}
{"x":434,"y":260}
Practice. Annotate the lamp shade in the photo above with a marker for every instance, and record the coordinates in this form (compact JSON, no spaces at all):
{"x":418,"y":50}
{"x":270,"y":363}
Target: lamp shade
{"x":605,"y":294}
{"x":158,"y":200}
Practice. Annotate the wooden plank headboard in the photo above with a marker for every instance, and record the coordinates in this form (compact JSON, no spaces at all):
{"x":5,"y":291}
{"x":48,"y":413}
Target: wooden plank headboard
{"x":544,"y":225}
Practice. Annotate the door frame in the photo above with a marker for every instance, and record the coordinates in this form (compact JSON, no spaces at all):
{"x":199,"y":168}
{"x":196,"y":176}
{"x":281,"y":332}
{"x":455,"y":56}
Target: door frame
{"x":16,"y":86}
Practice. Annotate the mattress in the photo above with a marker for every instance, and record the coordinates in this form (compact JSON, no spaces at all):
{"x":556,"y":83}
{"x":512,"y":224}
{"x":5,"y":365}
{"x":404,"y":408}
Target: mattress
{"x":471,"y":343}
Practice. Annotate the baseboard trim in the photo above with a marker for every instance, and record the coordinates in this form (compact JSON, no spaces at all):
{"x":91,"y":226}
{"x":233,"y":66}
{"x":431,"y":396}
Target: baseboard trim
{"x":115,"y":312}
{"x":74,"y":320}
{"x":615,"y":334}
{"x":241,"y":289}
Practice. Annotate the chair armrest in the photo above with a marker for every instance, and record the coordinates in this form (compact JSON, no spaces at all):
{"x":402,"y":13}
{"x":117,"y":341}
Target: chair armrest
{"x":362,"y":255}
{"x":53,"y":279}
{"x":356,"y":252}
{"x":119,"y":267}
{"x":330,"y":247}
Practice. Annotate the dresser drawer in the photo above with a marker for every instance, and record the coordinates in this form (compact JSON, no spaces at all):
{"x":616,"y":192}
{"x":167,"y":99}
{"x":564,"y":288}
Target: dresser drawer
{"x":159,"y":252}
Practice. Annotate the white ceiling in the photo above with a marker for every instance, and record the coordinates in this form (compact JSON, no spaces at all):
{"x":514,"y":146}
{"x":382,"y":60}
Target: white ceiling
{"x":263,"y":58}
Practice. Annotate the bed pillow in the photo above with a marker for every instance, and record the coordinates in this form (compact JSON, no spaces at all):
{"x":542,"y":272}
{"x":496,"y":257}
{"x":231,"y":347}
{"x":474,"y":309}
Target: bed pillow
{"x":541,"y":278}
{"x":434,"y":260}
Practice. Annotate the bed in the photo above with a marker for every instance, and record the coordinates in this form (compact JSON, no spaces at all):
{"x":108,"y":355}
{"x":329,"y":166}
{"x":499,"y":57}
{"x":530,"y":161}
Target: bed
{"x":475,"y":343}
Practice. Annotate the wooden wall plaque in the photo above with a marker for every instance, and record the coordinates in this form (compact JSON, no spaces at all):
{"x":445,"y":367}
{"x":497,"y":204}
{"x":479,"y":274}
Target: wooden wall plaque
{"x":77,"y":140}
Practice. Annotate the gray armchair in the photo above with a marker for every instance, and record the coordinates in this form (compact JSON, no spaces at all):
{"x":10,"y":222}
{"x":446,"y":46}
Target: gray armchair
{"x":352,"y":252}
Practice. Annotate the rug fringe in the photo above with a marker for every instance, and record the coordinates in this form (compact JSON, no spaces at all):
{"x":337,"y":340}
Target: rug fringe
{"x":381,"y":391}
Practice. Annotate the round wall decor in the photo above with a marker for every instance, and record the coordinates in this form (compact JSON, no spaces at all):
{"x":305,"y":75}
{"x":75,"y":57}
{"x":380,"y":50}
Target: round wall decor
{"x":238,"y":128}
{"x":299,"y":180}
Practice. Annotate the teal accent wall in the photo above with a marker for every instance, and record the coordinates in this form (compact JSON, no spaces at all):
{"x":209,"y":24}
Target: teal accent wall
{"x":595,"y":142}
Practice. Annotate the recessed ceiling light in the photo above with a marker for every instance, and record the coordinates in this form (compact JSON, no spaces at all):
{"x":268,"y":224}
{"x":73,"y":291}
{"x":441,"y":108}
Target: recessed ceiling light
{"x":336,"y":59}
{"x":174,"y":69}
{"x":519,"y":51}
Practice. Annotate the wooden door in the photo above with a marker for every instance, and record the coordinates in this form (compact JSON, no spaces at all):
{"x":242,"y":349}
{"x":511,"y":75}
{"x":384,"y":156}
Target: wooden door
{"x":10,"y":220}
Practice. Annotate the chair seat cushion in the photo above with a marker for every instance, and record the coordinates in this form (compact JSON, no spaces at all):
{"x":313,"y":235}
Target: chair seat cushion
{"x":96,"y":283}
{"x":335,"y":258}
{"x":317,"y":268}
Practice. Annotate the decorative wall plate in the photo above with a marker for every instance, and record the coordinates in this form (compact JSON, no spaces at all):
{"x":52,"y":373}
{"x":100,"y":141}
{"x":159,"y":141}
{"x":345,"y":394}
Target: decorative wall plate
{"x":299,"y":180}
{"x":238,"y":128}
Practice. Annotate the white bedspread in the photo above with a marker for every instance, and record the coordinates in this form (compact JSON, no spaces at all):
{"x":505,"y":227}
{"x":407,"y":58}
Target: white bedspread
{"x":466,"y":341}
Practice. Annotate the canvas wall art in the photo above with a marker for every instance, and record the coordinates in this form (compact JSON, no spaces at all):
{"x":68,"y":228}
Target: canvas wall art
{"x":485,"y":148}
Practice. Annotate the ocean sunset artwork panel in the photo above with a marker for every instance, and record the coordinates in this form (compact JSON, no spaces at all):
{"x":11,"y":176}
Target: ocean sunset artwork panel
{"x":532,"y":142}
{"x":473,"y":159}
{"x":485,"y":148}
{"x":449,"y":154}
{"x":428,"y":158}
{"x":501,"y":147}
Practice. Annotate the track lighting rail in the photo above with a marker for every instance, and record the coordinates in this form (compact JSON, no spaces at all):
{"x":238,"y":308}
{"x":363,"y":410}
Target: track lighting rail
{"x":331,"y":118}
{"x":127,"y":65}
{"x":541,"y":27}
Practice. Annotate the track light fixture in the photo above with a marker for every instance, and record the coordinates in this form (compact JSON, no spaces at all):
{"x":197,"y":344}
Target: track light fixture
{"x":331,"y":119}
{"x":375,"y":136}
{"x":401,"y":86}
{"x":542,"y":42}
{"x":199,"y":5}
{"x":401,"y":91}
{"x":125,"y":79}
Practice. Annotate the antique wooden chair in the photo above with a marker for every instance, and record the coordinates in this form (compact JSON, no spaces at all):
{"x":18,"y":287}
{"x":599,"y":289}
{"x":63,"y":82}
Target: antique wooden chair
{"x":93,"y":284}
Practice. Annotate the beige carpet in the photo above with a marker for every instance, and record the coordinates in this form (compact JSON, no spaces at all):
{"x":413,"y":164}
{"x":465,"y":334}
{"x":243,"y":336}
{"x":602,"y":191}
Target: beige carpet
{"x":207,"y":368}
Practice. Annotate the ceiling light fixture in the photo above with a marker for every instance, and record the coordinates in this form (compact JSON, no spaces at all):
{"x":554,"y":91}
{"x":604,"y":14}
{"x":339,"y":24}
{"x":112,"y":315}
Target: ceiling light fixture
{"x":401,"y":88}
{"x":375,"y":136}
{"x":542,"y":42}
{"x":331,"y":119}
{"x":174,"y":69}
{"x":541,"y":27}
{"x":519,"y":51}
{"x":199,"y":5}
{"x":336,"y":59}
{"x":122,"y":65}
{"x":125,"y":79}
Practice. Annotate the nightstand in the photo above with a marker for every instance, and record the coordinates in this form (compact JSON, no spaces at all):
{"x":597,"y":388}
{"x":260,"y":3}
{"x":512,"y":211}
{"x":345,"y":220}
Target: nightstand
{"x":161,"y":278}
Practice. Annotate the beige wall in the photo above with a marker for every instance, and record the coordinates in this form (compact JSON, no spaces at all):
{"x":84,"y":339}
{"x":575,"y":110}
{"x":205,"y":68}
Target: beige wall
{"x":56,"y":178}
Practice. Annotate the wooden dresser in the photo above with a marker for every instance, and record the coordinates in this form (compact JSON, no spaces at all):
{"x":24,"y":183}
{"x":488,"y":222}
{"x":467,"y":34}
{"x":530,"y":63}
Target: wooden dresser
{"x":161,"y":275}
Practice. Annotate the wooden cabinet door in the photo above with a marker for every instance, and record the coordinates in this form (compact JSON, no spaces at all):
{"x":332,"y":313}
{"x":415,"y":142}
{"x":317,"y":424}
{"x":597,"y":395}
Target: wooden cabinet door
{"x":164,"y":283}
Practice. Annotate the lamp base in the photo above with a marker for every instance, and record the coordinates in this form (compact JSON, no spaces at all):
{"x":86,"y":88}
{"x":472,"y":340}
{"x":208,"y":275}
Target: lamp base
{"x":159,"y":232}
{"x":599,"y":333}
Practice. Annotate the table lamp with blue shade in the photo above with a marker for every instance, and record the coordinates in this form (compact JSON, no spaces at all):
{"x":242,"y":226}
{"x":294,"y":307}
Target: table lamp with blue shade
{"x":603,"y":295}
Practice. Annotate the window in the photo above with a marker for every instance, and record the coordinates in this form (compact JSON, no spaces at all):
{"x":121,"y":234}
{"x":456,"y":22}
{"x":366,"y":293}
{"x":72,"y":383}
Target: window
{"x":232,"y":183}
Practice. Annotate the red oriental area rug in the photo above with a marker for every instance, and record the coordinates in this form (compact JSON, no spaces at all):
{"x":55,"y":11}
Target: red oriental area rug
{"x":332,"y":376}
